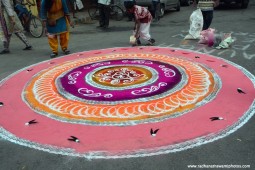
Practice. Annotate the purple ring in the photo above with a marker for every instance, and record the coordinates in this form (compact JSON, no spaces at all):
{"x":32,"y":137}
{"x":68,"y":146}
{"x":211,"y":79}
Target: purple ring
{"x":79,"y":83}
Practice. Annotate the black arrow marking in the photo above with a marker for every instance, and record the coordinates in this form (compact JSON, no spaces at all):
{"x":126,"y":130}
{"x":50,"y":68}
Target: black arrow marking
{"x":239,"y":90}
{"x":31,"y":122}
{"x":216,"y":118}
{"x":154,"y":132}
{"x":74,"y":139}
{"x":223,"y":65}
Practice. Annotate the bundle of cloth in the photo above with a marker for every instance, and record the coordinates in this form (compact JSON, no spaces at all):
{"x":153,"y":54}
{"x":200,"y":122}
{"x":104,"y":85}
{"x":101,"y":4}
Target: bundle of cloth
{"x":213,"y":39}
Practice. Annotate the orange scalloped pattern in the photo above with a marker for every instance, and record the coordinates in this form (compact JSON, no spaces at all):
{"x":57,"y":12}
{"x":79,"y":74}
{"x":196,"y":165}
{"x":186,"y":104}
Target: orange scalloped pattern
{"x":42,"y":95}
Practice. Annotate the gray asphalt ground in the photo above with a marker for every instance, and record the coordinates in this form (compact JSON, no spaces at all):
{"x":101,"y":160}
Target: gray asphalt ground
{"x":236,"y":149}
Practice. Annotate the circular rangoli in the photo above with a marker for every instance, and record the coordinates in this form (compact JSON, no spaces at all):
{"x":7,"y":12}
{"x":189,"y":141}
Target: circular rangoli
{"x":108,"y":103}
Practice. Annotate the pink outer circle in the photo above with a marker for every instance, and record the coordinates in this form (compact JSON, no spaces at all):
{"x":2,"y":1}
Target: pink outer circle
{"x":188,"y":130}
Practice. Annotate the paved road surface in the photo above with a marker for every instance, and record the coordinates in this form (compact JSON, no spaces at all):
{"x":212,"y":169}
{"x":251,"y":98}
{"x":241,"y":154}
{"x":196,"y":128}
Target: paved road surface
{"x":236,"y":149}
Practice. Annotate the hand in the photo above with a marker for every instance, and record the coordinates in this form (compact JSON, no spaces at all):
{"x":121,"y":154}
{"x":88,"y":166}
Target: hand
{"x":136,"y":35}
{"x":71,"y":24}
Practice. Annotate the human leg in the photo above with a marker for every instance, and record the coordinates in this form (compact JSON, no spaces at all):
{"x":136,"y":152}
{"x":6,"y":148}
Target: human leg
{"x":154,"y":8}
{"x":207,"y":16}
{"x":53,"y":42}
{"x":101,"y":15}
{"x":158,"y":11}
{"x":23,"y":38}
{"x":144,"y":33}
{"x":64,"y":40}
{"x":74,"y":9}
{"x":6,"y":43}
{"x":5,"y":36}
{"x":106,"y":15}
{"x":6,"y":48}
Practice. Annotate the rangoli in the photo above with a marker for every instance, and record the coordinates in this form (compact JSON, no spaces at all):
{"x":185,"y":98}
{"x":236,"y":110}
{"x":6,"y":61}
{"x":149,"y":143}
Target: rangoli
{"x":110,"y":100}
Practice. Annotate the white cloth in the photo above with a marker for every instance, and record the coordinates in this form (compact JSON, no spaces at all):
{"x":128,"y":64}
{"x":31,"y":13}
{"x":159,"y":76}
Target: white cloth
{"x":79,"y":4}
{"x":144,"y":31}
{"x":104,"y":2}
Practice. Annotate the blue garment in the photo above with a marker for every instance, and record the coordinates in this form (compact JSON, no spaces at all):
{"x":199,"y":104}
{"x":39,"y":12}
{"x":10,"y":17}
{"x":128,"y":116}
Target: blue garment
{"x":60,"y":27}
{"x":21,"y":10}
{"x":61,"y":23}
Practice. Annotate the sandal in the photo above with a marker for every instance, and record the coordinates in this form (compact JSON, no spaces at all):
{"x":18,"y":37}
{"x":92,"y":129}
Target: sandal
{"x":150,"y":42}
{"x":28,"y":48}
{"x":53,"y":55}
{"x":66,"y":51}
{"x":5,"y":51}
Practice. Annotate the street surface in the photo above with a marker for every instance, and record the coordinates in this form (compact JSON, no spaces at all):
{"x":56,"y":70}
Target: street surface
{"x":236,"y":149}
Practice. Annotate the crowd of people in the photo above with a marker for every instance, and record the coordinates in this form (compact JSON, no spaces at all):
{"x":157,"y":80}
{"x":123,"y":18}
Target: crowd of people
{"x":56,"y":21}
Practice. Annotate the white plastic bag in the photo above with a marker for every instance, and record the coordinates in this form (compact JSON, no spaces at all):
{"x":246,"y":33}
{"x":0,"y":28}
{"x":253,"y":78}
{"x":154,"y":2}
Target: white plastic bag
{"x":132,"y":40}
{"x":196,"y":25}
{"x":79,"y":4}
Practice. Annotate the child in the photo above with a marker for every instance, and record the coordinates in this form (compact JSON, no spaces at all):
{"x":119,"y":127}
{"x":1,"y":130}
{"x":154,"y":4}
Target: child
{"x":142,"y":23}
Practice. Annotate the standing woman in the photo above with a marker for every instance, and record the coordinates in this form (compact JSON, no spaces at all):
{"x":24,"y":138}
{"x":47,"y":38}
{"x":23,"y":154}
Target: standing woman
{"x":56,"y":21}
{"x":10,"y":23}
